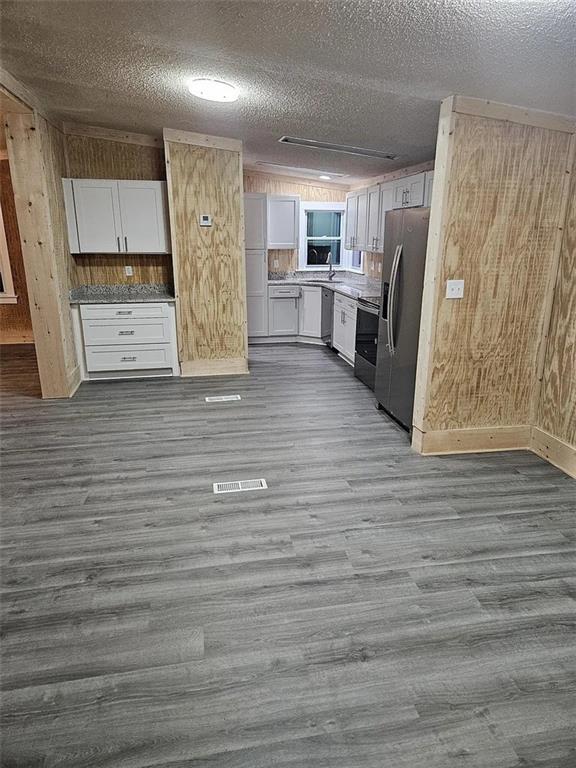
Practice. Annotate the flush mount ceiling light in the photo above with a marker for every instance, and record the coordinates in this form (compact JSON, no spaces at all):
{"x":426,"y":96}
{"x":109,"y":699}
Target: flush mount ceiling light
{"x":212,"y":90}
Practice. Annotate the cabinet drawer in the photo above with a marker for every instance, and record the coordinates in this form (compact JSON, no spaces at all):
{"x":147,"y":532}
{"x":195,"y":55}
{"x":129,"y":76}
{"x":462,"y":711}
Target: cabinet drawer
{"x":284,"y":291}
{"x":344,"y":303}
{"x":118,"y":358}
{"x":126,"y":330}
{"x":110,"y":311}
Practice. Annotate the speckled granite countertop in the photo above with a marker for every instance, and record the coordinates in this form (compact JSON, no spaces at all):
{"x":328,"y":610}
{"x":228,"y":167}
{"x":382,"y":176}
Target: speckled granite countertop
{"x":120,"y":294}
{"x":354,"y":289}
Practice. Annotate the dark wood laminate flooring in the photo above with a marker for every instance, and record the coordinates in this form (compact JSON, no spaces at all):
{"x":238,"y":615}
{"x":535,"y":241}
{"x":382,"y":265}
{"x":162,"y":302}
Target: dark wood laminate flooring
{"x":371,"y":609}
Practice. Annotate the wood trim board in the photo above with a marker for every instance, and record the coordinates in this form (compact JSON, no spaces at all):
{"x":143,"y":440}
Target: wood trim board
{"x":554,"y":450}
{"x":111,"y":134}
{"x":507,"y":112}
{"x":481,"y":440}
{"x":202,"y":140}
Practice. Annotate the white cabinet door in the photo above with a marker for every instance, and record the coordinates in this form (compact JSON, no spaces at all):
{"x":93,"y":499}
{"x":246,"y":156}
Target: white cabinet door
{"x":98,"y":215}
{"x":428,"y":188}
{"x":349,"y":350}
{"x":255,"y":221}
{"x":398,"y":193}
{"x":143,"y":216}
{"x":373,"y":229}
{"x":283,"y":221}
{"x":362,"y":225}
{"x":70,"y":209}
{"x":387,"y":192}
{"x":283,"y":316}
{"x":339,"y":329}
{"x":351,"y":221}
{"x":415,"y":190}
{"x":311,"y":312}
{"x":257,"y":292}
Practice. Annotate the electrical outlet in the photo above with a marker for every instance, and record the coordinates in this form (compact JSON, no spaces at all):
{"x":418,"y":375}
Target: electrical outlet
{"x":129,"y":271}
{"x":276,"y":263}
{"x":454,"y":289}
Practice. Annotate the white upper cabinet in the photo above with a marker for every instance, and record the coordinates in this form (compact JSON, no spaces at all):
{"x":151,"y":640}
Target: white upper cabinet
{"x":428,"y":188}
{"x":142,"y":214}
{"x":409,"y":191}
{"x":255,"y":238}
{"x":362,"y":222}
{"x":373,"y":226}
{"x":386,"y":204}
{"x":98,"y":215}
{"x":351,"y":220}
{"x":283,"y":221}
{"x":113,"y":216}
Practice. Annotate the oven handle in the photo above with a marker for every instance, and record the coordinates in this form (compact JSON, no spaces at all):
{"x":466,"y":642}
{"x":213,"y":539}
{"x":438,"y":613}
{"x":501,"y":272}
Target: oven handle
{"x":367,"y":307}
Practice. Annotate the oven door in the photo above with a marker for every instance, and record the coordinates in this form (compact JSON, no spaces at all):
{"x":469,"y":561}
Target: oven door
{"x":366,"y":343}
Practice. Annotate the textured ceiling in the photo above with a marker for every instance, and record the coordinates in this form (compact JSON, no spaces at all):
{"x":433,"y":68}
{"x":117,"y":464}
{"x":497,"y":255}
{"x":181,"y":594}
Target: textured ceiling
{"x":364,"y":72}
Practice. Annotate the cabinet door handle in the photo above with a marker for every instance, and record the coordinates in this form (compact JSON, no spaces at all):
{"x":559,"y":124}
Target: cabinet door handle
{"x":124,"y":312}
{"x":343,"y":318}
{"x":125,"y":333}
{"x":128,"y":359}
{"x":126,"y":243}
{"x":118,"y":241}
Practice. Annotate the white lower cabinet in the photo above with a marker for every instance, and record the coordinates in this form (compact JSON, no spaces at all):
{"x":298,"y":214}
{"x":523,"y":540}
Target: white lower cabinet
{"x":310,"y":312}
{"x":344,"y":327}
{"x":283,"y":310}
{"x":119,"y":340}
{"x":257,"y":292}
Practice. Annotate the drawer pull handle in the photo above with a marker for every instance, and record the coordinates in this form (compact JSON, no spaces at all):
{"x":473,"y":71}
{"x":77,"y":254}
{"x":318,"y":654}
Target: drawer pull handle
{"x":128,"y":359}
{"x":125,"y":333}
{"x":124,"y":312}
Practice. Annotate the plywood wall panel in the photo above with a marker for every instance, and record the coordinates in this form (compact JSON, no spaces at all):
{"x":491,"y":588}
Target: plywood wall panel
{"x":92,"y":158}
{"x":557,"y":407}
{"x":15,"y":321}
{"x":502,"y":215}
{"x":106,"y":269}
{"x":209,"y":271}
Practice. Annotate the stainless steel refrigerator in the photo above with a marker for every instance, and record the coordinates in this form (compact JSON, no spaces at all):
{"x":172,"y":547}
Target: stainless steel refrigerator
{"x":405,"y":237}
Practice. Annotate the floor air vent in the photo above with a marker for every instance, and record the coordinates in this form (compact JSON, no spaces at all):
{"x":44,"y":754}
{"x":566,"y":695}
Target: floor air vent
{"x":222,"y":398}
{"x":240,"y":485}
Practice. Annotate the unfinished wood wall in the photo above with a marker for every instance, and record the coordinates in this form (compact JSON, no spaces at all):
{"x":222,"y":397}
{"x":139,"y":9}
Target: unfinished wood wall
{"x":499,"y":198}
{"x":557,"y":403}
{"x":209,"y":267}
{"x":15,"y":321}
{"x":283,"y":185}
{"x":91,"y":157}
{"x":37,"y":163}
{"x":94,"y":158}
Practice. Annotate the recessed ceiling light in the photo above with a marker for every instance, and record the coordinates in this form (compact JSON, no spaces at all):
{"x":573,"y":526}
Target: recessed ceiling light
{"x":324,"y":177}
{"x":212,"y":90}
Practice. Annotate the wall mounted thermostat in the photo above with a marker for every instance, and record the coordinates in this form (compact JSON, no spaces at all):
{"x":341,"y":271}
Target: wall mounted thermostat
{"x":205,"y":220}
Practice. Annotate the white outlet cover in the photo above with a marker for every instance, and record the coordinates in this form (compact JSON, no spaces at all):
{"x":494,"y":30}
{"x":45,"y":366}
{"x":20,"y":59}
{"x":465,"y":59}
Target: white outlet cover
{"x":129,"y":271}
{"x":454,"y":289}
{"x":276,"y":263}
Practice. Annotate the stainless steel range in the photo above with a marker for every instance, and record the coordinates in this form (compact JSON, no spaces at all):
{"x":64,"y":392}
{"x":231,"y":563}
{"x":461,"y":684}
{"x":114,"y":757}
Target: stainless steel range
{"x":368,"y":308}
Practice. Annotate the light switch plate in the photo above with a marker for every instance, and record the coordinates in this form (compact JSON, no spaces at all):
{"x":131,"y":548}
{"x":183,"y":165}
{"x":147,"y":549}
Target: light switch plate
{"x":454,"y":289}
{"x":129,"y":271}
{"x":276,"y":263}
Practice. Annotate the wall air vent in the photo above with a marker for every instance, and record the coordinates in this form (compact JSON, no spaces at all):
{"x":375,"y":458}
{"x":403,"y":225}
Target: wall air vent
{"x":240,"y":485}
{"x":222,"y":398}
{"x":349,"y":150}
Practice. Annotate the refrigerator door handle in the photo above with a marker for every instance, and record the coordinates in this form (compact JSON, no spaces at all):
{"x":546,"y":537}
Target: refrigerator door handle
{"x":392,"y":297}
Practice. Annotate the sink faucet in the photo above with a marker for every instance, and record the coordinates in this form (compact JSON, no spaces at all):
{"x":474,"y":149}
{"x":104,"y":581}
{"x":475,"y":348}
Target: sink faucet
{"x":331,"y":270}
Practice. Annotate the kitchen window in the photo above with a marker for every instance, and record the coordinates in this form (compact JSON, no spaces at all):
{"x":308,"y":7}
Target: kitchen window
{"x":321,"y":238}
